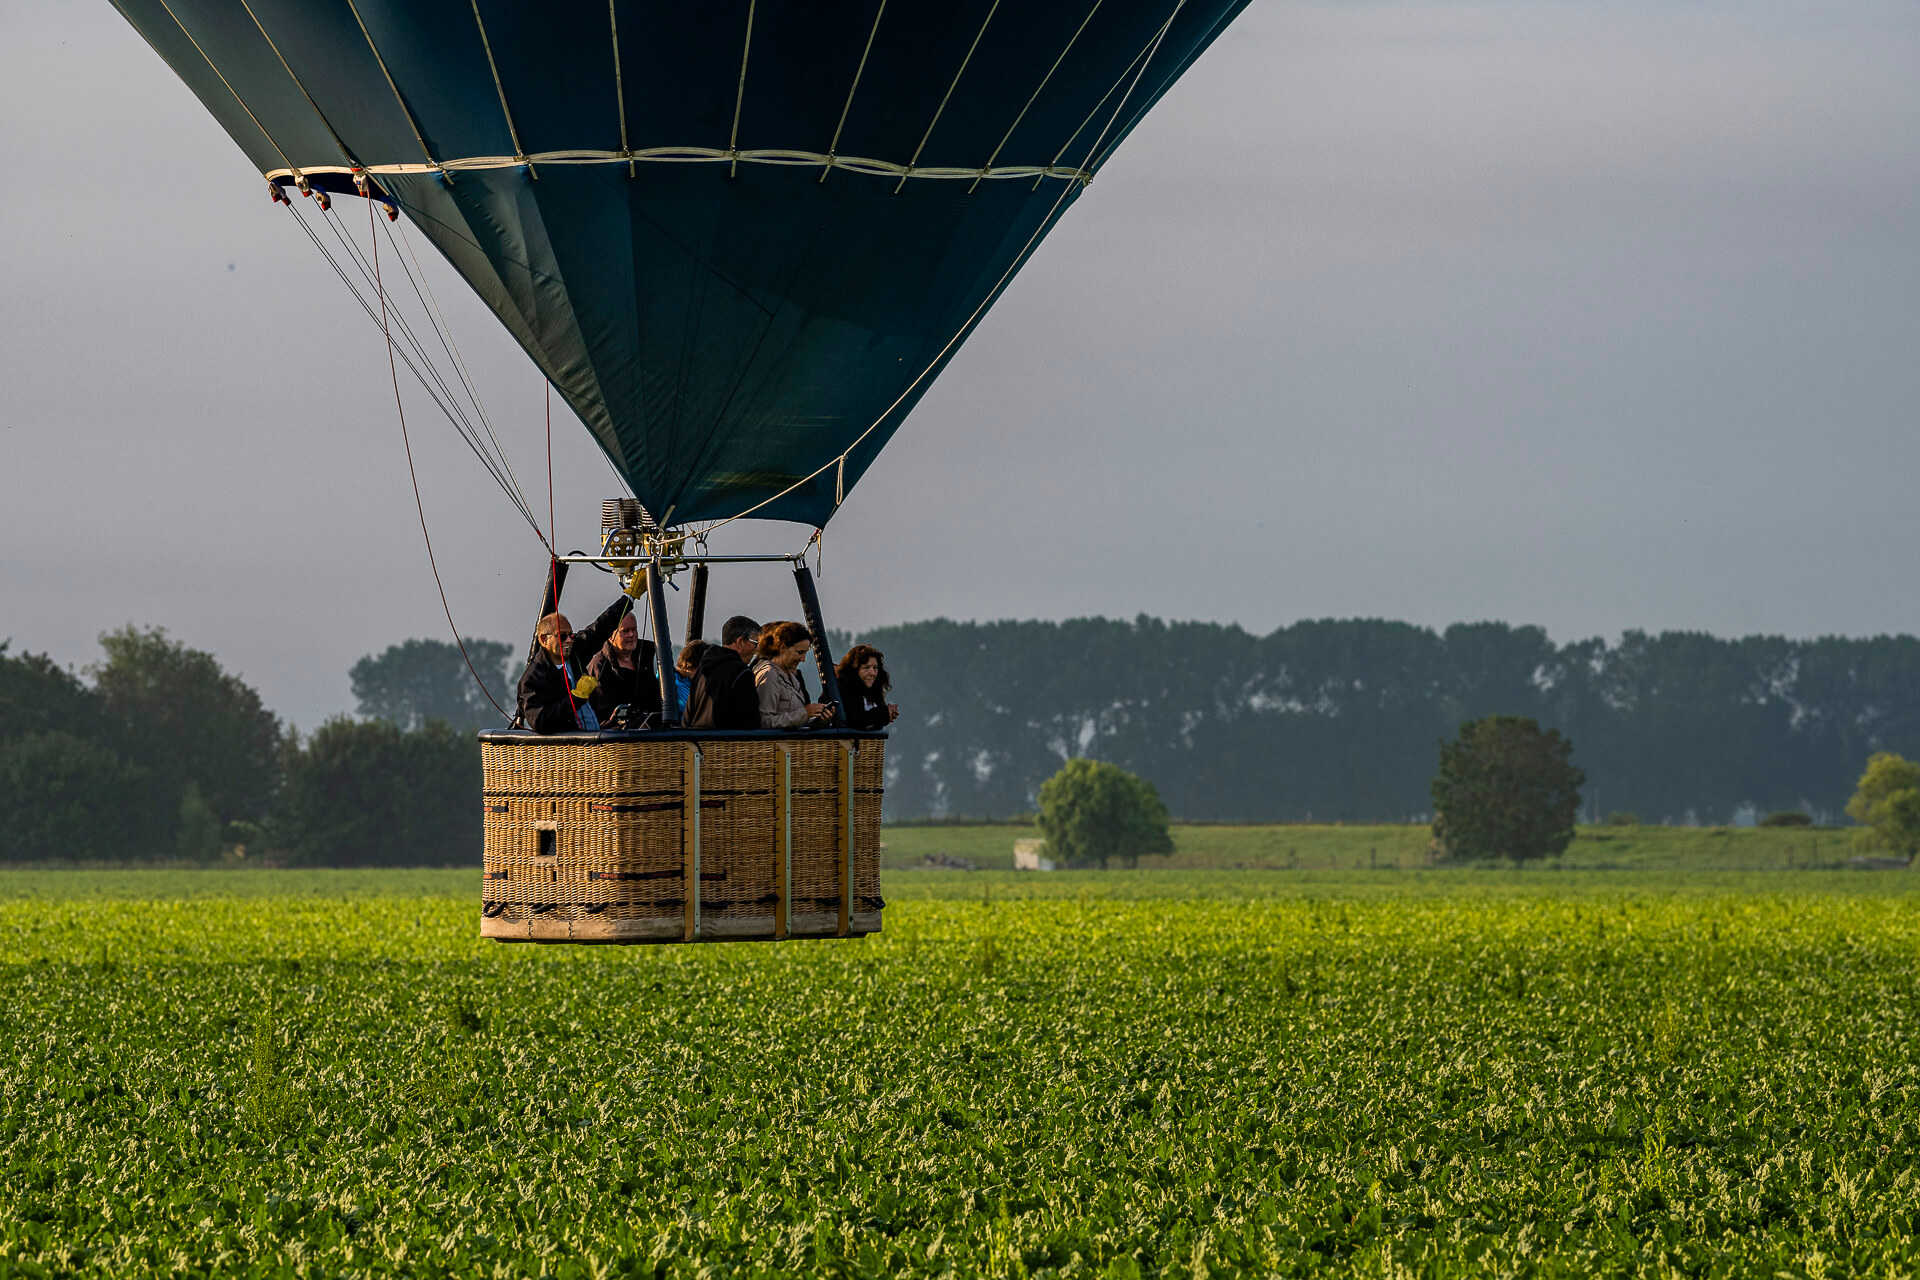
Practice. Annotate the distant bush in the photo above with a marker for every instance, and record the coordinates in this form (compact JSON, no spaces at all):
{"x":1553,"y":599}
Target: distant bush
{"x":1092,"y":811}
{"x":1506,"y":788}
{"x":1623,"y":818}
{"x":1787,"y":818}
{"x":366,"y":793}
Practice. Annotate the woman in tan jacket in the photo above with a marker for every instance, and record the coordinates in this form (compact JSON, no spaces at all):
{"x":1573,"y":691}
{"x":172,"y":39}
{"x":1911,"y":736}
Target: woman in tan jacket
{"x":783,"y":697}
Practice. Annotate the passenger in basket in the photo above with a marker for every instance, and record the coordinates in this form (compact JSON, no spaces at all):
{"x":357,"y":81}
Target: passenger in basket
{"x":864,"y":684}
{"x":722,"y":695}
{"x":783,"y":694}
{"x":625,"y":671}
{"x":556,"y":691}
{"x":687,"y":668}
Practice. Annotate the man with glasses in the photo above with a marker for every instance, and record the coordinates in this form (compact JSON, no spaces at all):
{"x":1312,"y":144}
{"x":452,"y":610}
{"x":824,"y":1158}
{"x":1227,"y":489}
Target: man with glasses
{"x":556,"y":692}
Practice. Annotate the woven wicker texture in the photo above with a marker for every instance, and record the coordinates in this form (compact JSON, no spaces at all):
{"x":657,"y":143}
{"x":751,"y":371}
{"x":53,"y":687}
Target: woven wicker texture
{"x":587,"y":841}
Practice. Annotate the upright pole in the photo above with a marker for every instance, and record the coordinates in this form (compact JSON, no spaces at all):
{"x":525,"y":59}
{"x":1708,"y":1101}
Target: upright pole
{"x":822,"y":656}
{"x":669,"y":688}
{"x":556,"y":583}
{"x":697,"y":604}
{"x":549,"y":602}
{"x":783,"y":844}
{"x":690,"y":842}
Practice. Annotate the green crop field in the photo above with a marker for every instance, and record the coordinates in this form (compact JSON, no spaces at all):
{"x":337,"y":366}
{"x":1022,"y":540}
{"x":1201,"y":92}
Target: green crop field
{"x":1155,"y":1073}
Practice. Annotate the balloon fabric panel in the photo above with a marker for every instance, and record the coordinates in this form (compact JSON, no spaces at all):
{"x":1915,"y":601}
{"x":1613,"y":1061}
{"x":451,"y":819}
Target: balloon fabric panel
{"x":770,"y":278}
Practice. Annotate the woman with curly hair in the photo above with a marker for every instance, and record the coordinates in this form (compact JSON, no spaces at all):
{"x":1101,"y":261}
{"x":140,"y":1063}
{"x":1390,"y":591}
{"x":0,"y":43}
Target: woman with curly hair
{"x":863,"y":686}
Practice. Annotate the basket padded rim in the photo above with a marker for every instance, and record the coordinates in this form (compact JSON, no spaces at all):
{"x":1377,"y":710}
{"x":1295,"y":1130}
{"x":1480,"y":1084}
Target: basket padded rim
{"x":526,"y":737}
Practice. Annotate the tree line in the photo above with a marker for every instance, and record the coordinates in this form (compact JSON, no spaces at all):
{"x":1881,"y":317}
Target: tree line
{"x":1340,"y":719}
{"x":160,"y":753}
{"x":155,"y":750}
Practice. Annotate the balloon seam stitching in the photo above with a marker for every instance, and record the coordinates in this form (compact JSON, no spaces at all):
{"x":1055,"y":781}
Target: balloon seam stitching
{"x":834,"y":146}
{"x":513,"y":134}
{"x":619,"y":86}
{"x":398,"y":97}
{"x":321,"y":115}
{"x":1078,"y":32}
{"x":292,"y":168}
{"x":740,"y":94}
{"x":1146,"y":53}
{"x":941,"y":110}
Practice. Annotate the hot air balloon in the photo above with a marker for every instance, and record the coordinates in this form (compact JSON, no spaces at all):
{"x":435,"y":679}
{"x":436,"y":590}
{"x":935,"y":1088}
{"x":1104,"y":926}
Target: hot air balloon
{"x":740,"y":241}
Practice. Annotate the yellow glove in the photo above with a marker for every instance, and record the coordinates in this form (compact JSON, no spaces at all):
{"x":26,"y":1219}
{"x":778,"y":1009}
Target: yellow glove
{"x":584,"y":689}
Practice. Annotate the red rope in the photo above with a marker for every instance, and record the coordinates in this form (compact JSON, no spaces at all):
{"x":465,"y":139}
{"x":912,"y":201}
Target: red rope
{"x":394,"y":373}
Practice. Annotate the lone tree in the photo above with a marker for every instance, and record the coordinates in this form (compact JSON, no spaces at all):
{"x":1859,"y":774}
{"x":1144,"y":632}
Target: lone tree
{"x":1506,"y":789}
{"x":1091,"y":811}
{"x":1887,"y":805}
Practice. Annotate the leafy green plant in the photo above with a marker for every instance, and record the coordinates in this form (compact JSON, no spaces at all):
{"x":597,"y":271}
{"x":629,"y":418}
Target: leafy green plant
{"x":986,"y":955}
{"x":460,"y":1015}
{"x":272,"y":1105}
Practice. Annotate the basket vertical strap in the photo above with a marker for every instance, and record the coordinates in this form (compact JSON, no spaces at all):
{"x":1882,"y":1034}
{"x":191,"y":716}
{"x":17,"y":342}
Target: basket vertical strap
{"x":845,"y":824}
{"x":783,"y":843}
{"x":690,"y":840}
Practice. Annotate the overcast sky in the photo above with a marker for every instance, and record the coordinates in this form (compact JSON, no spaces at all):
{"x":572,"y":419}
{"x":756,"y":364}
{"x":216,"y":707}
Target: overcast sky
{"x":1591,"y":315}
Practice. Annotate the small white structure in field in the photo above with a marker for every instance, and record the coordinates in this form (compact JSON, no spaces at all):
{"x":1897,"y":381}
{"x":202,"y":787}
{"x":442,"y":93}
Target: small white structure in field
{"x":1027,"y":856}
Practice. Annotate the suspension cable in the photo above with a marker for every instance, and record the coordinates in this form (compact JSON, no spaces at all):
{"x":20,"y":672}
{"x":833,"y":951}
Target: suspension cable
{"x":427,"y":383}
{"x":393,"y":372}
{"x":451,"y":404}
{"x":418,"y":276}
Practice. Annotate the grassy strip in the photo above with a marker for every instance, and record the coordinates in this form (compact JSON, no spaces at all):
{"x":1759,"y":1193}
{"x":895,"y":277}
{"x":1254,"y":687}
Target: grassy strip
{"x":1325,"y":847}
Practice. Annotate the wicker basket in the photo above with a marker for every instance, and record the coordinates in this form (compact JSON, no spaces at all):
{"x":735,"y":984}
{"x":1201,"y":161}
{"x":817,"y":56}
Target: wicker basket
{"x":600,"y":837}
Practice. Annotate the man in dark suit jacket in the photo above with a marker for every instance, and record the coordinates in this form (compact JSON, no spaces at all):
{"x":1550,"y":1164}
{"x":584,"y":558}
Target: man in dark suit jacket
{"x":555,"y":692}
{"x":723,"y":695}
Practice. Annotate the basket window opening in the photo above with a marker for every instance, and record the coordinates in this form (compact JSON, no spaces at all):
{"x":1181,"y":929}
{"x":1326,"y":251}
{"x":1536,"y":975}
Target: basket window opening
{"x":549,"y":842}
